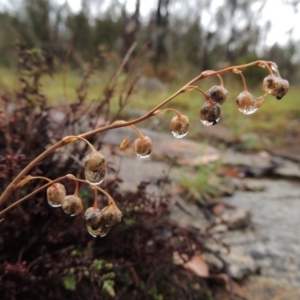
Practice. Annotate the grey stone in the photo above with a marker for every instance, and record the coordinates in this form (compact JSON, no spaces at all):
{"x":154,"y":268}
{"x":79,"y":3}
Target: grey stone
{"x":236,"y":218}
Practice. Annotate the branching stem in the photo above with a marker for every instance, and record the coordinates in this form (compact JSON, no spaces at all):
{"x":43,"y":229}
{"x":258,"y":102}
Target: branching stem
{"x":7,"y":192}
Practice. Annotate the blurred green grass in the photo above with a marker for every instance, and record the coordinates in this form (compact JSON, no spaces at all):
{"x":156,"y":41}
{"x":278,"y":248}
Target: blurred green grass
{"x":273,"y":119}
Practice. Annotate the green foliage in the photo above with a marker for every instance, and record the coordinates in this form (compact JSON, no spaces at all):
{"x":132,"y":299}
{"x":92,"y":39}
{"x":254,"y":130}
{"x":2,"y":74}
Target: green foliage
{"x":97,"y":264}
{"x":206,"y":185}
{"x":69,"y":282}
{"x":108,"y":287}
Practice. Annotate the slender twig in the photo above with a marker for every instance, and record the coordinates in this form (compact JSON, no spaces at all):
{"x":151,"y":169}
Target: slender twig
{"x":243,"y":79}
{"x":151,"y":113}
{"x":31,"y":194}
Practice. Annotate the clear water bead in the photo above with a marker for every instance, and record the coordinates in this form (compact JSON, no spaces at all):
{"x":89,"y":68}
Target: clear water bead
{"x":179,"y":135}
{"x":210,"y":123}
{"x":94,"y":178}
{"x":179,"y":126}
{"x":56,"y":194}
{"x":91,"y":231}
{"x":248,"y":110}
{"x":141,"y":155}
{"x":143,"y":147}
{"x":53,"y":204}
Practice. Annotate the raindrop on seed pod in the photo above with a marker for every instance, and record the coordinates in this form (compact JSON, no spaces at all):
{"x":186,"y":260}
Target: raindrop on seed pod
{"x":210,"y":113}
{"x":143,"y":146}
{"x":246,"y":103}
{"x":72,"y":205}
{"x":94,"y":167}
{"x":94,"y":178}
{"x":179,"y":126}
{"x":56,"y":194}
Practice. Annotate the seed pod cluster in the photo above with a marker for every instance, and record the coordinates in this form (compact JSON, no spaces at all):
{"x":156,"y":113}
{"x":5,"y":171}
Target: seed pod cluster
{"x":98,"y":222}
{"x":179,"y":126}
{"x":143,"y":146}
{"x":95,"y":165}
{"x":276,"y":86}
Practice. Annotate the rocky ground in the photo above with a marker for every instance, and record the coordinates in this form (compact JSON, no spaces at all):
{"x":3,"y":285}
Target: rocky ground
{"x":259,"y":220}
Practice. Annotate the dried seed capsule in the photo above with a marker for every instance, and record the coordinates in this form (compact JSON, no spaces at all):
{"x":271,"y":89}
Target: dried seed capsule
{"x":281,"y":90}
{"x":217,"y":94}
{"x":92,"y":218}
{"x":210,"y":113}
{"x":124,"y":144}
{"x":179,"y":126}
{"x":56,"y":194}
{"x":95,"y":165}
{"x":270,"y":83}
{"x":246,"y":103}
{"x":110,"y":216}
{"x":143,"y":146}
{"x":100,"y":222}
{"x":72,"y":205}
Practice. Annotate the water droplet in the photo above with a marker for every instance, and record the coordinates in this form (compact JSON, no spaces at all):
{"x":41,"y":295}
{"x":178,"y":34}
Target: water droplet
{"x":101,"y":231}
{"x":179,"y":135}
{"x":179,"y":126}
{"x":248,"y":110}
{"x":143,"y":147}
{"x":54,"y":204}
{"x":94,"y":178}
{"x":91,"y":231}
{"x":56,"y":194}
{"x":72,"y":205}
{"x":274,"y":68}
{"x":210,"y":123}
{"x":141,"y":155}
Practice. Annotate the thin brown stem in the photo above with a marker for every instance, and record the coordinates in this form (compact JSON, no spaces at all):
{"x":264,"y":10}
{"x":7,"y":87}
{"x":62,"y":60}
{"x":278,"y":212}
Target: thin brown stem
{"x":114,"y":77}
{"x":137,"y":131}
{"x":42,"y":177}
{"x":221,"y":80}
{"x":95,"y":197}
{"x":31,"y":194}
{"x":161,"y":111}
{"x":73,"y":138}
{"x":151,"y":113}
{"x":200,"y":90}
{"x":110,"y":199}
{"x":76,"y":189}
{"x":243,"y":79}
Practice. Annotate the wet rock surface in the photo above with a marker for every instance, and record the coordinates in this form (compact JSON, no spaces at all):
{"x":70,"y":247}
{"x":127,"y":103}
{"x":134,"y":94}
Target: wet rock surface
{"x":261,"y":222}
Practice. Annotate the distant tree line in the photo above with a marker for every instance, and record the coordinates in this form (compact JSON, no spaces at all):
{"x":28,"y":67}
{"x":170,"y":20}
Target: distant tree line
{"x":231,"y":36}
